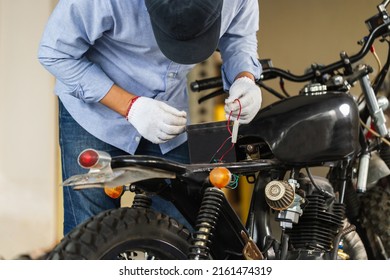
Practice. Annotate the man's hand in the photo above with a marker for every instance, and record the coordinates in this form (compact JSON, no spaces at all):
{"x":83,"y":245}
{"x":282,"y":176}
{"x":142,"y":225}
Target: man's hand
{"x":155,"y":120}
{"x":249,"y":94}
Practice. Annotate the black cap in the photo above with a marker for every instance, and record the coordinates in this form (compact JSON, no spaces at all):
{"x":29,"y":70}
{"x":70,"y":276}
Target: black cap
{"x":187,"y":31}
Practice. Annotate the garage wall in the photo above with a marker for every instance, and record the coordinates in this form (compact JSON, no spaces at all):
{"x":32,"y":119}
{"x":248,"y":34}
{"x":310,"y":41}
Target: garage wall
{"x":28,"y":170}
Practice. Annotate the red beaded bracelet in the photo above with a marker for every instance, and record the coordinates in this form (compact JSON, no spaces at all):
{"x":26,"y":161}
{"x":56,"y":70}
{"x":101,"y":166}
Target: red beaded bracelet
{"x":130,"y":105}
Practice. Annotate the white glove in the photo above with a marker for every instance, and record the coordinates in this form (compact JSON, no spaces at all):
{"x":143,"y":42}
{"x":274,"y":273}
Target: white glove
{"x":249,"y":94}
{"x":155,"y":120}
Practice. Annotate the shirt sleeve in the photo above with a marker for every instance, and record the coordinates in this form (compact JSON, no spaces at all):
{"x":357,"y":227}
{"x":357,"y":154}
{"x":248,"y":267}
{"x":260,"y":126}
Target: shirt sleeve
{"x":71,"y":30}
{"x":238,"y":45}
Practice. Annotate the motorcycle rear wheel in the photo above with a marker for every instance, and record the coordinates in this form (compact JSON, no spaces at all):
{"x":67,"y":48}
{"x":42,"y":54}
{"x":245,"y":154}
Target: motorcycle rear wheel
{"x":125,"y":234}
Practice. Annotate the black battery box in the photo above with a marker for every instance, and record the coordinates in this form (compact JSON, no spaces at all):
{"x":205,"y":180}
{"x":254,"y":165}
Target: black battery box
{"x":210,"y":142}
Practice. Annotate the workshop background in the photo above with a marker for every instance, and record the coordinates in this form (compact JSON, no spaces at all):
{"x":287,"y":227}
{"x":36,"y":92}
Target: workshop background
{"x":294,"y":34}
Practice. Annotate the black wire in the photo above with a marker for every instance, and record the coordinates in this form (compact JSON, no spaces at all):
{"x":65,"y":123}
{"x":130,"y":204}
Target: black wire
{"x":322,"y":191}
{"x":270,"y":90}
{"x":281,"y":83}
{"x":211,"y":95}
{"x":383,"y":73}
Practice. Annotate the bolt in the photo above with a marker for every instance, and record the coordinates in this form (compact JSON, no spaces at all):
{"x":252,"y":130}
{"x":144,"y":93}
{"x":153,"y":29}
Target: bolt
{"x":250,"y":149}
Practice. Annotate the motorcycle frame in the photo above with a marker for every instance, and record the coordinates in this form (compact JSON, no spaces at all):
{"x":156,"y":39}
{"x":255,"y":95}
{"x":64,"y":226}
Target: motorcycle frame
{"x":187,"y":190}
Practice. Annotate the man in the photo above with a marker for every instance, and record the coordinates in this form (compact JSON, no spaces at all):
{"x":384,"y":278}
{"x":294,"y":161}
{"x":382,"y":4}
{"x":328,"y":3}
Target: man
{"x":121,"y":69}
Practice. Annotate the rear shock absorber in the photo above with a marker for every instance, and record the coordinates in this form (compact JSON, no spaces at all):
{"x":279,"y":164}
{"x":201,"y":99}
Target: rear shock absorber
{"x":206,"y":221}
{"x":141,"y":201}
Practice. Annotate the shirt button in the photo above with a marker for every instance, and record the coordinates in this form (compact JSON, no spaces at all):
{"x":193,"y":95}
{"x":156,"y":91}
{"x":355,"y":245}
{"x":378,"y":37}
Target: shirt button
{"x":171,"y":75}
{"x":137,"y":139}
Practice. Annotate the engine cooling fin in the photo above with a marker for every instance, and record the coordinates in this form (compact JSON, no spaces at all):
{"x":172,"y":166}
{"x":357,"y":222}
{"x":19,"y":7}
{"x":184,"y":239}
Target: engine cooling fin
{"x":318,"y":225}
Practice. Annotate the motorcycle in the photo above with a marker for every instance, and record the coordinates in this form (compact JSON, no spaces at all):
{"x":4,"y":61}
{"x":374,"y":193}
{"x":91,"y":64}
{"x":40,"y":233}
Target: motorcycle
{"x":293,"y":214}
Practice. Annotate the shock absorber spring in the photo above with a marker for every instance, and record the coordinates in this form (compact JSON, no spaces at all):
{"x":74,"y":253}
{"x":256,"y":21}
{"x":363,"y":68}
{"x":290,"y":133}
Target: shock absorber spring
{"x":207,"y":218}
{"x":141,"y":201}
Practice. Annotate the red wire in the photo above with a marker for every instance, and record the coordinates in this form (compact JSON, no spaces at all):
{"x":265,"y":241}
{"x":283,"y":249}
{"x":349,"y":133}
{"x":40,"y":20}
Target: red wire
{"x":228,"y":123}
{"x":230,"y":132}
{"x":230,"y":115}
{"x":223,"y":144}
{"x":231,"y":147}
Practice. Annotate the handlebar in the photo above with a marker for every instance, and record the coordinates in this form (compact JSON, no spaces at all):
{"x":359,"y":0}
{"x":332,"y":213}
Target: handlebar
{"x":276,"y":72}
{"x":383,"y":5}
{"x":206,"y":84}
{"x":216,"y":82}
{"x":269,"y":72}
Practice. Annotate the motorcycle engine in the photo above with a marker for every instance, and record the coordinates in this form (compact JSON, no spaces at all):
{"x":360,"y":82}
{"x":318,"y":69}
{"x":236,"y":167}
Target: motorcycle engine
{"x":312,"y":227}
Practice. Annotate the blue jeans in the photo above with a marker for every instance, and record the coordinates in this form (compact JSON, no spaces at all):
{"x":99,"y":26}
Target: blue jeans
{"x":83,"y":204}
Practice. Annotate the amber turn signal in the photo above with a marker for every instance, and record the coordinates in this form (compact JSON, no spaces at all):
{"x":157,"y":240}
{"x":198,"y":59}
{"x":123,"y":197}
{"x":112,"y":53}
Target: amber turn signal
{"x":220,"y":177}
{"x":114,"y":192}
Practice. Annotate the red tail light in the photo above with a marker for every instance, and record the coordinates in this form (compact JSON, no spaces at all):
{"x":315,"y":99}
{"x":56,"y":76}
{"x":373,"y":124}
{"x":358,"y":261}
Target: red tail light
{"x":91,"y":158}
{"x":88,"y":158}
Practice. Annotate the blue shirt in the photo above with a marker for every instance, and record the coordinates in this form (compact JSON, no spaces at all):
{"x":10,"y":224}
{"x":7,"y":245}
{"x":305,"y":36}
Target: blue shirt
{"x":89,"y":45}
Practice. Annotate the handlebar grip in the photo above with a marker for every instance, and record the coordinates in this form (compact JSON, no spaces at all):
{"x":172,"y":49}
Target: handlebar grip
{"x":200,"y":85}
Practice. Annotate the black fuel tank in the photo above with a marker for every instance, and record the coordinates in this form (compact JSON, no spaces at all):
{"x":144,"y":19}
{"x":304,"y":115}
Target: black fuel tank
{"x":307,"y":129}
